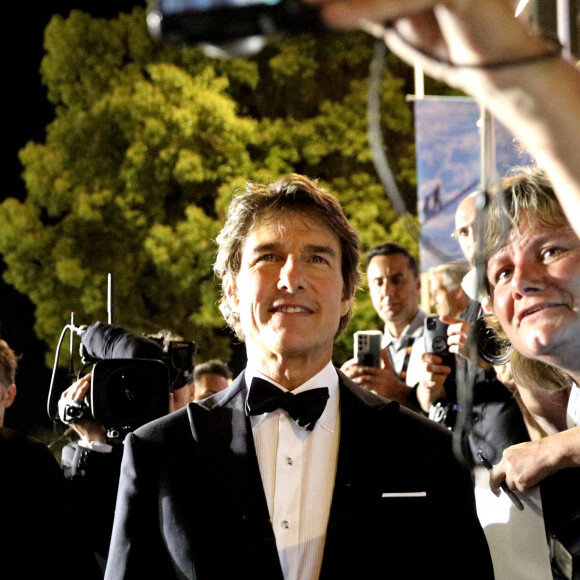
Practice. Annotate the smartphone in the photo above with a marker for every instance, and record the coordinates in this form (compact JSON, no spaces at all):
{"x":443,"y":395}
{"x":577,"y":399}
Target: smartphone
{"x":220,"y":21}
{"x":367,"y":347}
{"x":435,"y":335}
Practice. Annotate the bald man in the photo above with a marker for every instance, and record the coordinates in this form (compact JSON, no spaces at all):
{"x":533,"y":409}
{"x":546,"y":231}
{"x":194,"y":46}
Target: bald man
{"x":464,"y":231}
{"x":498,"y":422}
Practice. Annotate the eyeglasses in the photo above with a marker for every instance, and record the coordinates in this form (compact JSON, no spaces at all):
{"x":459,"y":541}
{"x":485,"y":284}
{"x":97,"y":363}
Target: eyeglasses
{"x":462,"y":232}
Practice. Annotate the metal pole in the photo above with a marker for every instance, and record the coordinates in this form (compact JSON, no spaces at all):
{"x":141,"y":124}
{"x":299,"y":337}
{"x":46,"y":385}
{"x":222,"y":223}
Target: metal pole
{"x":564,"y":27}
{"x":110,"y":298}
{"x":419,"y":82}
{"x":487,"y":144}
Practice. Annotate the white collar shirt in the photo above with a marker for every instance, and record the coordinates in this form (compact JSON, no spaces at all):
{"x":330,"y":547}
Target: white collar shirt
{"x":412,"y":336}
{"x":298,"y":469}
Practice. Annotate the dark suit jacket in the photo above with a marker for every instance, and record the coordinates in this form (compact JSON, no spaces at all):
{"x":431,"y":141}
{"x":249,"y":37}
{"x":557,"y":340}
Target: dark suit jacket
{"x":93,"y":478}
{"x":191,"y":502}
{"x":40,"y":529}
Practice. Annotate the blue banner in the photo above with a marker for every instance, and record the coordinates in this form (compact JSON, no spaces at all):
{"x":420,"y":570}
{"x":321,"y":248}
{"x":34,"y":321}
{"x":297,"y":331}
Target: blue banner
{"x":447,"y":139}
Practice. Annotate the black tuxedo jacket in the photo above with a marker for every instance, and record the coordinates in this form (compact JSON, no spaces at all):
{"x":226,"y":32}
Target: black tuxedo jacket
{"x":191,"y":502}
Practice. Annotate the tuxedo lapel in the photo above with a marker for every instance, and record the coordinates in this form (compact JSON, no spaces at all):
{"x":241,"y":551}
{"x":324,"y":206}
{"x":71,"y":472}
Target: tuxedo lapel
{"x":362,"y":432}
{"x":227,"y":458}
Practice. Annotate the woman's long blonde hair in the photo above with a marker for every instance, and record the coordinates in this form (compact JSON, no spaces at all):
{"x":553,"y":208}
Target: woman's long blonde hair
{"x":527,"y":192}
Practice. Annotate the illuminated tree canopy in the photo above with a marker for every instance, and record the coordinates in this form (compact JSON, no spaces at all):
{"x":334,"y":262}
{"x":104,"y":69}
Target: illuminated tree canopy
{"x":147,"y":146}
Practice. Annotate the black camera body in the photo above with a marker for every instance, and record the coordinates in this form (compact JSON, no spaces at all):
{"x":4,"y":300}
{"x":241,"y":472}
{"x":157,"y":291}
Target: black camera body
{"x":127,"y":393}
{"x":124,"y":394}
{"x":132,"y":377}
{"x":179,"y":357}
{"x":191,"y":22}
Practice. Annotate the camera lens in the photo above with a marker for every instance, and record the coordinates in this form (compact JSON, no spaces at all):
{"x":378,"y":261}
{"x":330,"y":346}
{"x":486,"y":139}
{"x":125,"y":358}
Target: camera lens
{"x":130,"y":392}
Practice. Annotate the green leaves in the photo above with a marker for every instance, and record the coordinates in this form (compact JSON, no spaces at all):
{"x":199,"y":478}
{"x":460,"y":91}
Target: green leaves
{"x":149,"y":143}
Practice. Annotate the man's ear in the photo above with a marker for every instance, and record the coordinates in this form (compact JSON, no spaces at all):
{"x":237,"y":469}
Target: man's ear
{"x":487,"y":305}
{"x":345,"y":305}
{"x":10,"y":395}
{"x":231,"y":294}
{"x":346,"y":301}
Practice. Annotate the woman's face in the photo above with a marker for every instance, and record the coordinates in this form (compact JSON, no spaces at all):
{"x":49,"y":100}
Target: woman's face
{"x":535,"y":281}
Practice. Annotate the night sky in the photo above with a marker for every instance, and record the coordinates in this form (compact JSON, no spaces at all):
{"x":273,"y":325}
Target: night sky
{"x":26,"y":112}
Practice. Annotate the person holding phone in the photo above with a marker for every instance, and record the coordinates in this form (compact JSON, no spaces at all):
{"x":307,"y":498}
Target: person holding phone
{"x":394,"y":286}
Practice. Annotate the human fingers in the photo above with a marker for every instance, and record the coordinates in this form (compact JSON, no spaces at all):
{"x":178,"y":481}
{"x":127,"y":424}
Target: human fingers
{"x":429,"y":357}
{"x":366,"y":380}
{"x":348,"y":367}
{"x":385,"y":359}
{"x":79,"y":389}
{"x":347,"y":14}
{"x":447,"y":319}
{"x":356,"y":372}
{"x":437,"y":369}
{"x":497,"y":476}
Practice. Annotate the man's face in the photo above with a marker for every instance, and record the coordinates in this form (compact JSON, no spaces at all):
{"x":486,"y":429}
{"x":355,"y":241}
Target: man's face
{"x":464,"y":227}
{"x":394,"y":290}
{"x":289,"y":290}
{"x":443,"y":300}
{"x":207,"y":385}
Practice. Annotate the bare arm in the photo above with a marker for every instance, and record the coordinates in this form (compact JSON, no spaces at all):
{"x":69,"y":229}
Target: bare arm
{"x":431,"y":388}
{"x":526,"y":464}
{"x":538,"y":101}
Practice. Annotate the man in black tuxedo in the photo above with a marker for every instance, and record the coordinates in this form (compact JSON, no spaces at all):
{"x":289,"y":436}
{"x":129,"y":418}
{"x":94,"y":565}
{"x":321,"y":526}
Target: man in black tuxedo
{"x":294,"y":471}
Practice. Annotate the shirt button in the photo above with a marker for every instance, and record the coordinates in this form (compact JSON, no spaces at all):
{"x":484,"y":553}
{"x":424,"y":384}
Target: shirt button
{"x":285,"y":524}
{"x":289,"y":461}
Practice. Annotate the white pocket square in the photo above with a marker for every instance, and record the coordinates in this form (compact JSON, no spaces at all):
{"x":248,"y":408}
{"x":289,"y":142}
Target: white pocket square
{"x":405,"y":494}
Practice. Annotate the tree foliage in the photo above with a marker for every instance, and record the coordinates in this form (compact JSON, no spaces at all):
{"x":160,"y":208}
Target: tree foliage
{"x":147,"y":146}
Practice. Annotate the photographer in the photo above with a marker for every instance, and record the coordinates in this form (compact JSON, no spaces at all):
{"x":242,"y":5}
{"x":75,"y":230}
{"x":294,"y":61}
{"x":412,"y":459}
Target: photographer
{"x":92,"y":466}
{"x":394,"y":286}
{"x":129,"y":385}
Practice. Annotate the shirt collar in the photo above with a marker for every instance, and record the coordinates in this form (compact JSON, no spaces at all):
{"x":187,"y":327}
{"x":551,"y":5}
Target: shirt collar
{"x":414,"y":329}
{"x":327,"y":377}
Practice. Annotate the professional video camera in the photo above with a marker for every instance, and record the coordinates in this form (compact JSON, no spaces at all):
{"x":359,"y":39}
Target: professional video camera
{"x":131,"y":378}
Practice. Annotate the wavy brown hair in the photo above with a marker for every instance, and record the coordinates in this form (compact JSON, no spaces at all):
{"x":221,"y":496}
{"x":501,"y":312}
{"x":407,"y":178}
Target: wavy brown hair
{"x":258,"y":203}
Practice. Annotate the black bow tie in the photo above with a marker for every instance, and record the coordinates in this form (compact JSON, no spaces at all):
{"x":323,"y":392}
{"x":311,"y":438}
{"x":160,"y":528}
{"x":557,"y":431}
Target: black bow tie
{"x":305,"y":408}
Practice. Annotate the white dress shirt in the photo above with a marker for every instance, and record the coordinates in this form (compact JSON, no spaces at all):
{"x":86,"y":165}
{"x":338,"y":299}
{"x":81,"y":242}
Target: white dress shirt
{"x":298,"y":469}
{"x":397,"y":348}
